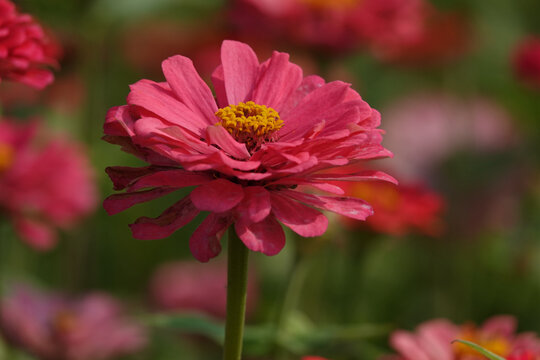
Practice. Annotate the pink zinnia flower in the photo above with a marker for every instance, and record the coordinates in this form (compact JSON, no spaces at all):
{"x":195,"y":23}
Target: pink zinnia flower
{"x":269,"y":131}
{"x":185,"y":285}
{"x":399,"y":209}
{"x":52,"y":326}
{"x":25,"y":50}
{"x":527,"y":61}
{"x":42,"y":186}
{"x":433,"y":340}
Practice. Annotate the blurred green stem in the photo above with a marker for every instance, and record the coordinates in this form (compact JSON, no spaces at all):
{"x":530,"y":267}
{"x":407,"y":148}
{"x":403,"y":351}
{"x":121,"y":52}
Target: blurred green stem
{"x":237,"y":271}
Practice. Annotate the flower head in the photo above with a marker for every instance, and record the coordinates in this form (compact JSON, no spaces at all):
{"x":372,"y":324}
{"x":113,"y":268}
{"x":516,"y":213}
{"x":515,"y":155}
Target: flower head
{"x":42,"y":186}
{"x":433,"y":340}
{"x":269,"y":131}
{"x":25,"y":50}
{"x":51,"y":326}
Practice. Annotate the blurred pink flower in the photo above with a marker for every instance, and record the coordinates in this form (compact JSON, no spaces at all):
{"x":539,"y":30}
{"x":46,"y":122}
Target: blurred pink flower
{"x":446,"y":125}
{"x":25,"y":50}
{"x":51,"y":326}
{"x":433,"y":340}
{"x":527,"y":61}
{"x":185,"y":285}
{"x":342,"y":24}
{"x":398,"y":209}
{"x":45,"y":182}
{"x":272,"y":131}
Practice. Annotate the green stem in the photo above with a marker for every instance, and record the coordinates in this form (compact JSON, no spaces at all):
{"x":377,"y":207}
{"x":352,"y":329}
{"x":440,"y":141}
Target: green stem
{"x":237,"y":271}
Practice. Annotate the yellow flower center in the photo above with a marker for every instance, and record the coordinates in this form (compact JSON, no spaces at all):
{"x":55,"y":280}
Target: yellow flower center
{"x":6,"y":156}
{"x":250,"y":123}
{"x":498,"y":345}
{"x":331,"y":4}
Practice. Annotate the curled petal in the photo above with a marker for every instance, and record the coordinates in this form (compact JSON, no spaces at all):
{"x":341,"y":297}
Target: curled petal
{"x":167,"y":223}
{"x":218,"y":135}
{"x":303,"y":220}
{"x":205,"y":241}
{"x":217,"y":196}
{"x":266,"y":236}
{"x":171,"y":178}
{"x":122,"y":176}
{"x":119,"y":202}
{"x":354,"y":208}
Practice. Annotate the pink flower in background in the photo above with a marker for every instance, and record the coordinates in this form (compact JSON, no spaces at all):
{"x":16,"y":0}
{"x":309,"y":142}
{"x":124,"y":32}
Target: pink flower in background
{"x":270,"y":131}
{"x":433,"y":341}
{"x":399,"y":209}
{"x":341,"y":24}
{"x":527,"y":61}
{"x":45,"y":182}
{"x":51,"y":326}
{"x":446,"y":125}
{"x":184,"y":286}
{"x":25,"y":50}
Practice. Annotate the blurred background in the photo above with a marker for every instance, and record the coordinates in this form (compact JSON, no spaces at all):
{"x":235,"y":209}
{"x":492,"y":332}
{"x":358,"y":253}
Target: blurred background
{"x":458,"y":87}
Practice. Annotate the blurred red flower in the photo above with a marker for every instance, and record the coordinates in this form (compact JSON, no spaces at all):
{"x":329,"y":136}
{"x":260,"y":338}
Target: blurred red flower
{"x":272,"y":131}
{"x":54,"y":327}
{"x":342,"y":24}
{"x":527,"y":61}
{"x":25,"y":50}
{"x":399,"y":209}
{"x":185,"y":285}
{"x":433,"y":341}
{"x":45,"y":182}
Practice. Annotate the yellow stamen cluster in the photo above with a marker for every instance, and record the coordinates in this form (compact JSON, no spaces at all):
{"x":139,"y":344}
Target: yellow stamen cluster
{"x":6,"y":156}
{"x":250,"y":123}
{"x":331,"y":4}
{"x":498,"y":345}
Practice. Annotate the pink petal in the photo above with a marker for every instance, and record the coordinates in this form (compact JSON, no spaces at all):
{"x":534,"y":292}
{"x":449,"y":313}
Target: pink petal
{"x":217,"y":196}
{"x":171,"y":178}
{"x":256,"y":204}
{"x":157,"y":99}
{"x":118,"y":121}
{"x":167,"y":223}
{"x":303,"y":220}
{"x":347,"y":206}
{"x":189,"y":87}
{"x":218,"y":135}
{"x":309,"y":83}
{"x":277,"y":81}
{"x":366,"y":175}
{"x":405,"y":343}
{"x":240,"y":68}
{"x":302,"y":118}
{"x":334,"y":189}
{"x":122,"y":176}
{"x":435,"y":337}
{"x":205,"y":241}
{"x":218,"y":79}
{"x":266,"y":236}
{"x":119,"y":202}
